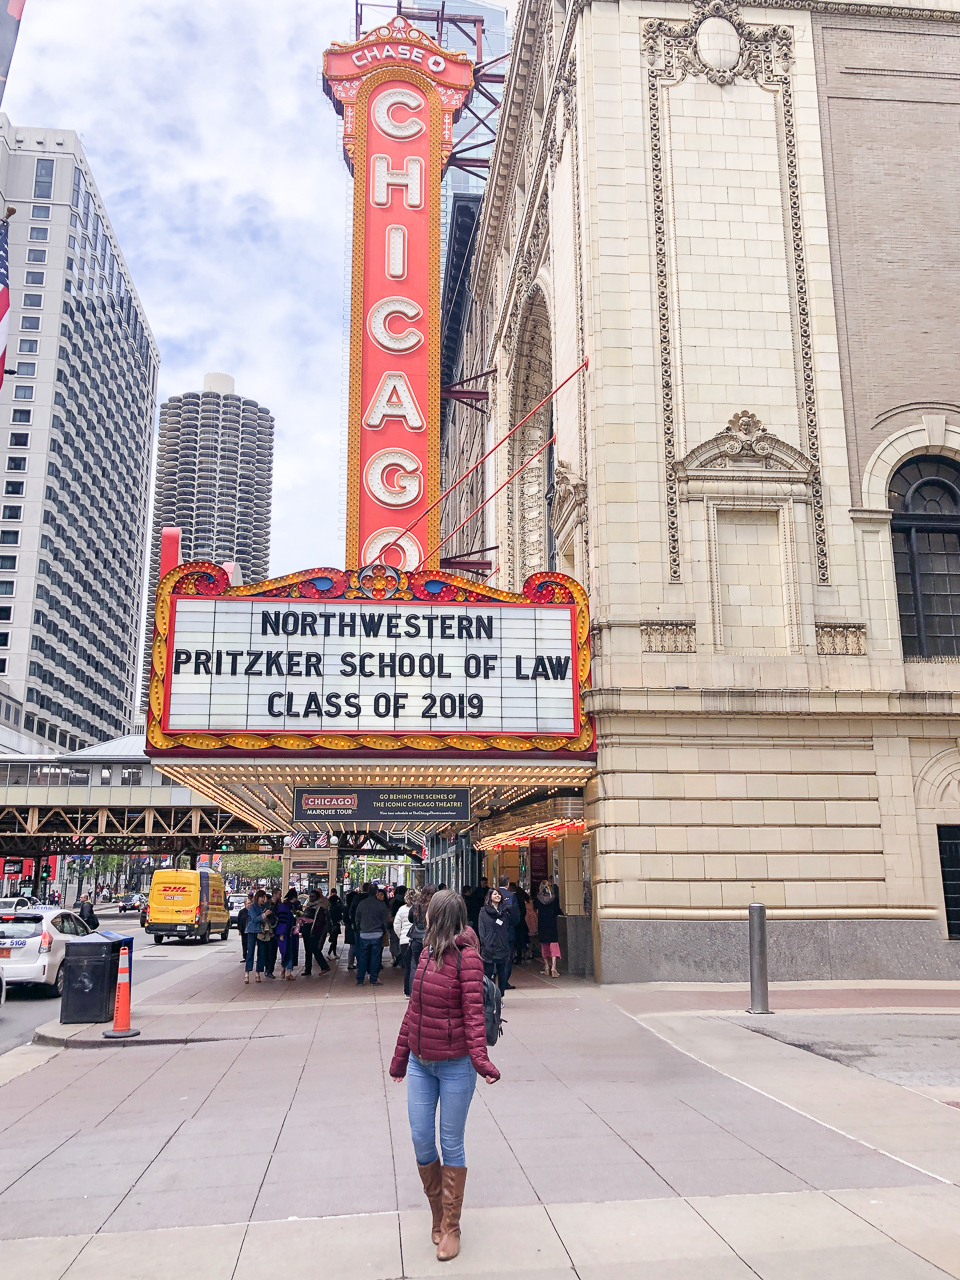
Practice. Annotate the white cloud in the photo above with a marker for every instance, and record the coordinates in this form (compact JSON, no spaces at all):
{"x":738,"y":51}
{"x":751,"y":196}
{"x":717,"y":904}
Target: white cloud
{"x":215,"y":151}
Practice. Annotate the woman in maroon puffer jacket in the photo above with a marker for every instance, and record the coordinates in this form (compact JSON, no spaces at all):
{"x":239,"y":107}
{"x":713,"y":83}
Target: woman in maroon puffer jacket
{"x":443,"y":1045}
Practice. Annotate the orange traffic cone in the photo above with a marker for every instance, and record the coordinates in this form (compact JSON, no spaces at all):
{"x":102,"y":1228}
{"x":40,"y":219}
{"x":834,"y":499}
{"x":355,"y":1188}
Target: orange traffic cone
{"x":121,"y":1009}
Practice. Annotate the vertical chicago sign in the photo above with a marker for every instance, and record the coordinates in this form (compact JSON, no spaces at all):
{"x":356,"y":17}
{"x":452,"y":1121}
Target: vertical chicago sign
{"x":325,"y":661}
{"x":399,"y":93}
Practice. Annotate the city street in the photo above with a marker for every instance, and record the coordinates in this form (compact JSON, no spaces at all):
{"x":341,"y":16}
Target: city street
{"x":28,"y":1006}
{"x":636,"y":1129}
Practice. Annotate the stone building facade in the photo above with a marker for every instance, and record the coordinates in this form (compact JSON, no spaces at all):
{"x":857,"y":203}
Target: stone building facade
{"x":745,"y":216}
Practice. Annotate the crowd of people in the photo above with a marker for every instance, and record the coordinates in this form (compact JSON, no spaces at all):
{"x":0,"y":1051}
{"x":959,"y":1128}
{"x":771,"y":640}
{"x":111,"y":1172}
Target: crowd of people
{"x":273,"y":926}
{"x":510,"y":926}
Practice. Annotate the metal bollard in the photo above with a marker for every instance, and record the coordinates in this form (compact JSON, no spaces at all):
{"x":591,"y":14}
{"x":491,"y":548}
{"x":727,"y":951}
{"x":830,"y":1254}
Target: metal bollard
{"x":759,"y":992}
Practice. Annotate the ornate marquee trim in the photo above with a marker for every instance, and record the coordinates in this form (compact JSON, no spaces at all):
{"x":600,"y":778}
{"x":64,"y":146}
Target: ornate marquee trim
{"x":204,"y":578}
{"x":764,"y":54}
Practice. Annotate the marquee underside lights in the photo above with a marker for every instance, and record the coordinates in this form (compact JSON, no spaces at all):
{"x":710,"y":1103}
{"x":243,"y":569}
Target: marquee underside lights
{"x":263,"y":788}
{"x":399,"y":94}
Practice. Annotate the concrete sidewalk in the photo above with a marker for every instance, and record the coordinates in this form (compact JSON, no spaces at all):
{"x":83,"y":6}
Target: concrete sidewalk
{"x":633,"y":1127}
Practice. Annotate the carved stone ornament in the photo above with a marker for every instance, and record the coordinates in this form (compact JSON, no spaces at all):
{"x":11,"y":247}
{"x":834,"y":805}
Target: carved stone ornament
{"x":668,"y":637}
{"x":674,"y":51}
{"x":718,"y":44}
{"x":569,"y":501}
{"x":746,"y":446}
{"x":527,"y":267}
{"x":848,"y":639}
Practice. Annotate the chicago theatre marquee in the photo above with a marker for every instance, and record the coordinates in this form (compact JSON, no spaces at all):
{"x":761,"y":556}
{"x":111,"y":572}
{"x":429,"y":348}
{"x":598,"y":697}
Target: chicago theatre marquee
{"x":277,"y":698}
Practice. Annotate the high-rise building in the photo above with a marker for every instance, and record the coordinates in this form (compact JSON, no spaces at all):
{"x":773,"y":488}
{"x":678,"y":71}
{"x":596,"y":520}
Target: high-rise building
{"x":214,"y":481}
{"x":76,"y":416}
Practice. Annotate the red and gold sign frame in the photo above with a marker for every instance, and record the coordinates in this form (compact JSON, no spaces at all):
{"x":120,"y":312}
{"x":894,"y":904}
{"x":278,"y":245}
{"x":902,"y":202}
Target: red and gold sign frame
{"x":204,"y":578}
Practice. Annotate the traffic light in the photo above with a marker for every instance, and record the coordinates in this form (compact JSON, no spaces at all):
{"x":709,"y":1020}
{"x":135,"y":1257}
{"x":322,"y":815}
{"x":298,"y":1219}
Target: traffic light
{"x":45,"y":871}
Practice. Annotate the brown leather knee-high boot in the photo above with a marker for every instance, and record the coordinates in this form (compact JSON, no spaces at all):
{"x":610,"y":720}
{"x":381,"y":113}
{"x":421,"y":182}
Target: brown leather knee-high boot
{"x":432,"y":1187}
{"x":454,"y":1180}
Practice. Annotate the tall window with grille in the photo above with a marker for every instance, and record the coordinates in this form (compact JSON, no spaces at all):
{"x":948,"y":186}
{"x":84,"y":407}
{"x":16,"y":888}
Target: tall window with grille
{"x":924,"y":496}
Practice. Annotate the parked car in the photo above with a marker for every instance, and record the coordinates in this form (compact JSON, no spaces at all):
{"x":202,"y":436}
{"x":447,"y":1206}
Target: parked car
{"x":235,"y":904}
{"x":14,"y":904}
{"x":133,"y":902}
{"x":33,"y":943}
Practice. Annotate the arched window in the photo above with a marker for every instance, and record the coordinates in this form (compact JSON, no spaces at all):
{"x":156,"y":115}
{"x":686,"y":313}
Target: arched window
{"x":924,"y":495}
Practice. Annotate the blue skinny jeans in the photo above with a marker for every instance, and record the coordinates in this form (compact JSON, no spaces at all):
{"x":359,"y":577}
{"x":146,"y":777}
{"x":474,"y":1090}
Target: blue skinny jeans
{"x":451,"y":1085}
{"x":255,"y":950}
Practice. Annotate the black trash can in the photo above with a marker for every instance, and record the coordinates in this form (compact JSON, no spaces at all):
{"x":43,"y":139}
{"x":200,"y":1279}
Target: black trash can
{"x":90,"y":976}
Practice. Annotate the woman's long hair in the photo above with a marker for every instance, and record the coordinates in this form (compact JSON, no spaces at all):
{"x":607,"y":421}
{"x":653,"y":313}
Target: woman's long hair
{"x":446,"y":918}
{"x":419,"y":909}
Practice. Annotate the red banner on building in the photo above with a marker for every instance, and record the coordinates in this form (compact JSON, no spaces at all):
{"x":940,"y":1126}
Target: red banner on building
{"x":399,"y":93}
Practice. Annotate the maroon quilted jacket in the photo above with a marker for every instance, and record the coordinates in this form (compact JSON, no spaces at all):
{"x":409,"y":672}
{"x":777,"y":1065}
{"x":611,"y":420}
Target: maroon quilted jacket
{"x":444,"y":1018}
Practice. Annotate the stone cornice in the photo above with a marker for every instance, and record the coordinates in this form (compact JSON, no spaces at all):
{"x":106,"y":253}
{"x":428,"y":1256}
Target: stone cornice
{"x":844,"y":7}
{"x":772,"y":702}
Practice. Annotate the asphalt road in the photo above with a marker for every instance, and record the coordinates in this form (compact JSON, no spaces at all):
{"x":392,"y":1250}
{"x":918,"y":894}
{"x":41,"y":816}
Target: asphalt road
{"x":907,"y":1049}
{"x":27,"y":1007}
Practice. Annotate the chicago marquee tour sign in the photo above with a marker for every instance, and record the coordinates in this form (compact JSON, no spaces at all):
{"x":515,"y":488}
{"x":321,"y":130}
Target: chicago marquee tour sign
{"x":375,"y":804}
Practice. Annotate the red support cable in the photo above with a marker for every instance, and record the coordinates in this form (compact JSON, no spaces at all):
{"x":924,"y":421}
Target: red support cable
{"x":523,"y":467}
{"x":446,"y":493}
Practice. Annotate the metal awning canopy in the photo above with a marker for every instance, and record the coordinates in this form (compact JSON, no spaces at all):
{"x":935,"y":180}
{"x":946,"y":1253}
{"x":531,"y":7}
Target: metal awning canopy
{"x":260,"y":790}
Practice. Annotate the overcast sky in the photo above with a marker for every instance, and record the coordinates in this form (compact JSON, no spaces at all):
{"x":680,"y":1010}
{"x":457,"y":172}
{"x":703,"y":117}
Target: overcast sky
{"x":215,"y":151}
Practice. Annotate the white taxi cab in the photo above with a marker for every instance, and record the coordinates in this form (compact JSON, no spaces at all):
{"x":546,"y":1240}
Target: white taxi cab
{"x":33,"y":943}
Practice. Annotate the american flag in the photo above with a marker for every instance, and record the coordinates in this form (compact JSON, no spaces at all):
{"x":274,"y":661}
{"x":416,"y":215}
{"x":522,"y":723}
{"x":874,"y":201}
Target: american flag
{"x":9,"y":30}
{"x":4,"y":293}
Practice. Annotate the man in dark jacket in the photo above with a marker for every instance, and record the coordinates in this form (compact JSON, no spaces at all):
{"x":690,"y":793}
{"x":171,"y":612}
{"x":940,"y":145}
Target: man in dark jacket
{"x":313,"y":928}
{"x":87,"y":913}
{"x":510,"y":899}
{"x":242,"y":917}
{"x":349,"y":935}
{"x":371,"y":921}
{"x":395,"y":903}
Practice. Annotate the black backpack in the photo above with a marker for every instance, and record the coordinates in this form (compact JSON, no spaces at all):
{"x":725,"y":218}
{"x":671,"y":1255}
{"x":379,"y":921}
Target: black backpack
{"x":417,"y":932}
{"x":492,"y":1006}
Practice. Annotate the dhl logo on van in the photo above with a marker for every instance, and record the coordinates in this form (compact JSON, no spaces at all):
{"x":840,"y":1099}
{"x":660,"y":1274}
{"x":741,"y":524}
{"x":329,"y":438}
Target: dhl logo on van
{"x":175,"y":888}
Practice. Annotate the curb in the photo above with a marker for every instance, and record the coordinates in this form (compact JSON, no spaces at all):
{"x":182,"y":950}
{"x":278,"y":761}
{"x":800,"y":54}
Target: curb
{"x":52,"y":1040}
